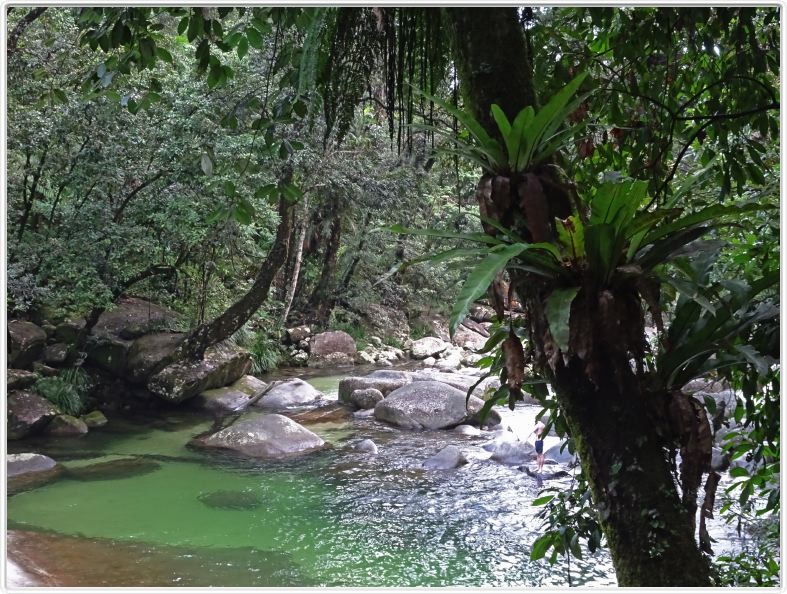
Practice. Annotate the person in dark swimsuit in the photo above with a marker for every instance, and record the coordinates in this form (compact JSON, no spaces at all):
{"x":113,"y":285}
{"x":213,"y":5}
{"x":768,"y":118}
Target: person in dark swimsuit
{"x":538,"y":430}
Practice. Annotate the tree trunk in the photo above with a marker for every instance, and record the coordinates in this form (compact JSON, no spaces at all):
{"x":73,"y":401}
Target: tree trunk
{"x":619,"y":435}
{"x":322,"y":298}
{"x":224,"y":326}
{"x":296,"y":267}
{"x":357,"y":256}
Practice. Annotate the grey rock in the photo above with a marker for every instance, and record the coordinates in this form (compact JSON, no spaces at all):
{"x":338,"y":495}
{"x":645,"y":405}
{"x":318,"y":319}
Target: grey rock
{"x":385,"y":384}
{"x":220,"y":367}
{"x":382,"y":320}
{"x":366,"y":398}
{"x":28,"y":413}
{"x":428,"y":346}
{"x":293,"y":392}
{"x":326,"y":361}
{"x":447,"y":458}
{"x":133,"y":317}
{"x":366,"y":445}
{"x":17,"y":464}
{"x":112,"y":470}
{"x":263,"y":436}
{"x":147,"y":351}
{"x":250,"y":385}
{"x":66,"y":426}
{"x":501,"y":437}
{"x":56,"y":354}
{"x":514,"y":453}
{"x":68,"y":332}
{"x":469,"y":339}
{"x":364,"y":414}
{"x":720,"y":460}
{"x":560,"y":457}
{"x":220,"y":400}
{"x":429,"y":405}
{"x":19,"y":379}
{"x":25,"y":343}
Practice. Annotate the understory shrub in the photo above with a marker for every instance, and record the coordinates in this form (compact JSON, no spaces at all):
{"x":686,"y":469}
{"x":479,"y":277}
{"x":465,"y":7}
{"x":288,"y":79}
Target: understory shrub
{"x":67,"y":390}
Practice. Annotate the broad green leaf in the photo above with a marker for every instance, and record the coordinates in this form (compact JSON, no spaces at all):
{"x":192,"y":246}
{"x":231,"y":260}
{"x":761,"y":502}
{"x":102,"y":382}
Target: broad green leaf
{"x":572,"y":236}
{"x":541,"y":546}
{"x":243,"y":47}
{"x":558,"y":313}
{"x":716,"y":211}
{"x":543,"y":500}
{"x":254,"y":37}
{"x":600,"y":248}
{"x":519,"y":146}
{"x":206,"y":163}
{"x":479,"y":279}
{"x":617,"y":203}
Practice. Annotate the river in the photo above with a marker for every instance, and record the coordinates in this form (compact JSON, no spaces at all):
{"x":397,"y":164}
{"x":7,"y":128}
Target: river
{"x":160,"y":514}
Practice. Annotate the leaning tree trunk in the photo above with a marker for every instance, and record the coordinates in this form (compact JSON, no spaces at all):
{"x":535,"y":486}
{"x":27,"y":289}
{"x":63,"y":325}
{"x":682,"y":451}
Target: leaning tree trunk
{"x":222,"y":327}
{"x":614,"y":421}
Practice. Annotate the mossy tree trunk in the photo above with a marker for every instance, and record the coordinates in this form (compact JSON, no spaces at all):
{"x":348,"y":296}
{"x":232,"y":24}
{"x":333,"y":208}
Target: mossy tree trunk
{"x":617,"y":424}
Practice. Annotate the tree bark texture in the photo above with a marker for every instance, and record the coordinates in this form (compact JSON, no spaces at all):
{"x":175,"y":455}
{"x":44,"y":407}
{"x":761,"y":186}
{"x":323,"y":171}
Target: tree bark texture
{"x":322,"y":298}
{"x":618,"y":426}
{"x":298,"y":258}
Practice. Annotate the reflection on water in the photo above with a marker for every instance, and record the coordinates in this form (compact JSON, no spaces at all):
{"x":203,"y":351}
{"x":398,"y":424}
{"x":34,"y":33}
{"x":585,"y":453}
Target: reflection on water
{"x":335,"y":518}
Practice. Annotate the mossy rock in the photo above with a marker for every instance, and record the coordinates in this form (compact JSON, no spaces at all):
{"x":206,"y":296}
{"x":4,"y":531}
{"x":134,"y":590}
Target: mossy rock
{"x":114,"y":469}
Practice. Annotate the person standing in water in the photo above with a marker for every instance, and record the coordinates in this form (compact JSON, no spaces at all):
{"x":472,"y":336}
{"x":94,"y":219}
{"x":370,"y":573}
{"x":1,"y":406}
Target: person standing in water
{"x":538,"y":430}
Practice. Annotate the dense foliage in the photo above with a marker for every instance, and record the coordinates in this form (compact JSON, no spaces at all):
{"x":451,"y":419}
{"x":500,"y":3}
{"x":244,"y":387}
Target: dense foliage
{"x":629,"y":193}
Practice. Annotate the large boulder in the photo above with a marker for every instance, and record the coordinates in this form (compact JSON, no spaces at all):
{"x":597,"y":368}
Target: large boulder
{"x":221,"y":400}
{"x":385,"y":321}
{"x":482,"y":313}
{"x":366,"y":445}
{"x":68,"y":331}
{"x":25,"y":343}
{"x":446,"y":459}
{"x":332,"y":348}
{"x":19,"y":379}
{"x":66,"y":426}
{"x":560,"y":456}
{"x":113,"y":335}
{"x":460,"y":381}
{"x":430,"y":405}
{"x":263,"y":436}
{"x":333,"y":412}
{"x":450,"y":359}
{"x":221,"y":366}
{"x":384,"y":383}
{"x":293,"y":392}
{"x":429,"y":346}
{"x":94,"y":419}
{"x":28,"y":413}
{"x":146,"y":351}
{"x":434,"y":324}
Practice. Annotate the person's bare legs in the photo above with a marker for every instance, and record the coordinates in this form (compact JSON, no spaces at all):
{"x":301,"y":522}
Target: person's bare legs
{"x":540,"y":461}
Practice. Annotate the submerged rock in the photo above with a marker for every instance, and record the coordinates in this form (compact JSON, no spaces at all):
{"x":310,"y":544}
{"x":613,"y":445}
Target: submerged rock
{"x":293,"y":392}
{"x":430,"y":405}
{"x":447,"y":458}
{"x":366,"y":445}
{"x":264,"y":436}
{"x":95,"y":419}
{"x":111,"y":470}
{"x":28,"y":413}
{"x":231,"y":500}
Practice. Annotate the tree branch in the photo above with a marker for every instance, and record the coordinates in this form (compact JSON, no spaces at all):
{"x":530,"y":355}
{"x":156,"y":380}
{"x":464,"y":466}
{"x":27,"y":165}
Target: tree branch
{"x":23,"y":24}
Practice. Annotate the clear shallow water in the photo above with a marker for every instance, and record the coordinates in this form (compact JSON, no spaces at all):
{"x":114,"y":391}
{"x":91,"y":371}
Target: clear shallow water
{"x":334,"y":518}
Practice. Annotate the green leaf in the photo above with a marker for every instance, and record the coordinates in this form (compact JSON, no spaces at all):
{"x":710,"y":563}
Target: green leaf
{"x":243,"y":47}
{"x":196,"y":24}
{"x":254,"y":37}
{"x":738,"y":472}
{"x":479,"y":279}
{"x":600,"y":248}
{"x":558,"y":312}
{"x":541,"y":546}
{"x":543,"y":500}
{"x":572,"y":236}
